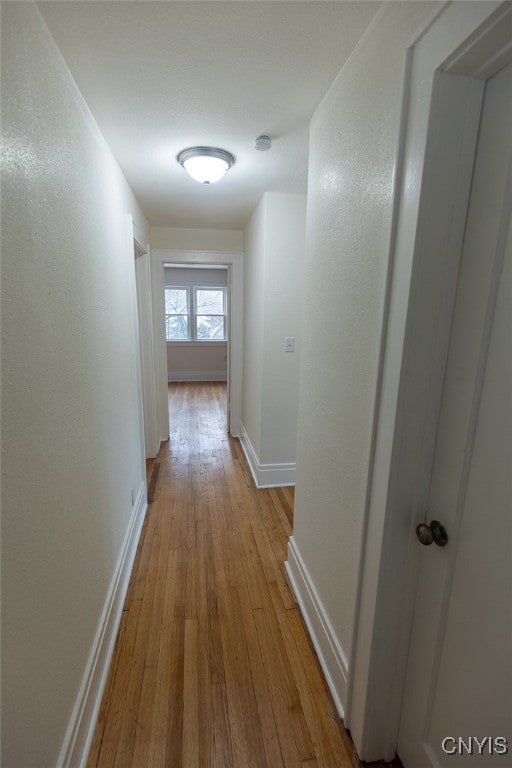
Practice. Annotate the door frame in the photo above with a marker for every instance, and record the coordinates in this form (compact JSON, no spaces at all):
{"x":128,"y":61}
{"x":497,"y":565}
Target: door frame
{"x":445,"y":69}
{"x":234,"y":261}
{"x":142,"y":266}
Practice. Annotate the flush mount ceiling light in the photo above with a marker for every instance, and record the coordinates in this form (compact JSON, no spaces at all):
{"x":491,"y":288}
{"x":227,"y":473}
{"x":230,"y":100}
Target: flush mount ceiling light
{"x":206,"y":164}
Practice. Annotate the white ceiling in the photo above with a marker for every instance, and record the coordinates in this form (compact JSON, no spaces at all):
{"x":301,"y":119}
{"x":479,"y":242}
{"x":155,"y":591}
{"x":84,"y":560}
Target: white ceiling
{"x":162,"y":76}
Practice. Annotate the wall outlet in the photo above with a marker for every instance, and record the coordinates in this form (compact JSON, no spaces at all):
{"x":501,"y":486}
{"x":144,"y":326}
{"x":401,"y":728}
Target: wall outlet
{"x":289,"y":344}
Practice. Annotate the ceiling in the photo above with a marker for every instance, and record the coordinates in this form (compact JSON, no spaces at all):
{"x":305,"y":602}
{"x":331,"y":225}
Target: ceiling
{"x":162,"y":76}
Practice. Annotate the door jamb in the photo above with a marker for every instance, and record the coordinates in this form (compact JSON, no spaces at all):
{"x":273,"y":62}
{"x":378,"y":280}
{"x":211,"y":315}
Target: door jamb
{"x":464,"y":41}
{"x":145,"y":337}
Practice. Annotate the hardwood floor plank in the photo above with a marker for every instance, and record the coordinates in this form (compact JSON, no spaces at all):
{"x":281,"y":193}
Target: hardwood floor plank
{"x":322,"y":724}
{"x":294,"y":738}
{"x":283,"y":505}
{"x":213,"y":666}
{"x":222,"y":756}
{"x":128,"y":722}
{"x":103,"y":716}
{"x":151,"y":484}
{"x":190,"y":697}
{"x":273,"y":754}
{"x":213,"y":640}
{"x":255,"y":574}
{"x":145,"y":711}
{"x":112,"y":711}
{"x":163,"y":687}
{"x":243,"y":717}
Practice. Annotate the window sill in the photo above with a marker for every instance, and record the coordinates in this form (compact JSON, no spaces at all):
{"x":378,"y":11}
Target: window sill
{"x":195,"y":343}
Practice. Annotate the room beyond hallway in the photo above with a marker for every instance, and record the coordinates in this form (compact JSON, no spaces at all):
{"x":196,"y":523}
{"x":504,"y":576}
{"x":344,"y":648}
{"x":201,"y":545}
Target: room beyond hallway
{"x":213,"y":665}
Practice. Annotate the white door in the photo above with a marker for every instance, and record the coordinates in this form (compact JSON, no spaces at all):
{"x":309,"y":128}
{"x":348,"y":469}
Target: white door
{"x":457,"y":707}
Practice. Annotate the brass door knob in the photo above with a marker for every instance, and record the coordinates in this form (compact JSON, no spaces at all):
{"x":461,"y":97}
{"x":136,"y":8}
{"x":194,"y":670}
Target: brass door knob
{"x":435,"y":532}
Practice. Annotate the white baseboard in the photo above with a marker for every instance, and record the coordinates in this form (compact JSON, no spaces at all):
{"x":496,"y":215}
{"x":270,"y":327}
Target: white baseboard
{"x":78,"y":738}
{"x":197,"y":376}
{"x":329,"y":651}
{"x":266,"y":475}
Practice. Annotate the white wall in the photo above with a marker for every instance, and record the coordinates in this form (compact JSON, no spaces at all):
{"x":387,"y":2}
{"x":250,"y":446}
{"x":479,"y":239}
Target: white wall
{"x":273,"y":266}
{"x":284,"y":263}
{"x":197,"y":361}
{"x":70,"y":410}
{"x":353,"y":140}
{"x":175,"y":238}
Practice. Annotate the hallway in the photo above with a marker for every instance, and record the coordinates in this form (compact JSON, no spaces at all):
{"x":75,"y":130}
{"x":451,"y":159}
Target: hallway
{"x":213,"y":665}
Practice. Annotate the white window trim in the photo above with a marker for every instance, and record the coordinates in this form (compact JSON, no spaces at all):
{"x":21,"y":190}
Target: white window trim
{"x":195,"y":315}
{"x":192,"y":314}
{"x":179,"y":314}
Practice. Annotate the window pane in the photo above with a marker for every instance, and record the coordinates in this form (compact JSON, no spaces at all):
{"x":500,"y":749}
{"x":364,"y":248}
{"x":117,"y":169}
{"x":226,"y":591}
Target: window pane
{"x":210,"y":327}
{"x":176,"y":327}
{"x":209,"y":302}
{"x":176,"y":301}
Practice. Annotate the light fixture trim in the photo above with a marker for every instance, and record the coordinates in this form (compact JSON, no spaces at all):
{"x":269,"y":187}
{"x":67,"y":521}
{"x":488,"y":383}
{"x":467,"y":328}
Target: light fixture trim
{"x":191,"y":153}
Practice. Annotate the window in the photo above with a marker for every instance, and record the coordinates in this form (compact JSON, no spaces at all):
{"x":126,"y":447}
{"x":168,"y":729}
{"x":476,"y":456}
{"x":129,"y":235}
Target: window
{"x":177,"y":325}
{"x":195,"y":315}
{"x":210,"y":313}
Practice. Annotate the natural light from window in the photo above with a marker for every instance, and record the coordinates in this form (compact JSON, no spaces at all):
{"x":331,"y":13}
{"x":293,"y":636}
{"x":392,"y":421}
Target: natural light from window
{"x":197,"y":314}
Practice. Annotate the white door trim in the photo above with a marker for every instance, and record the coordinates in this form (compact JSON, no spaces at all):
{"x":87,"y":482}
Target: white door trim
{"x":233,"y":260}
{"x":464,"y":40}
{"x":145,"y":330}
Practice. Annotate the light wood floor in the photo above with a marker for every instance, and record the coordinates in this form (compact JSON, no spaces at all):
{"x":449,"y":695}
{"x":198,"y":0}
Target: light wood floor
{"x":213,"y":666}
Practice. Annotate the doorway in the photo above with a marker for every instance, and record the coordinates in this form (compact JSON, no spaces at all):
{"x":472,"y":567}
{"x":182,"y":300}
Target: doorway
{"x":232,"y":263}
{"x":196,"y":300}
{"x":144,"y":334}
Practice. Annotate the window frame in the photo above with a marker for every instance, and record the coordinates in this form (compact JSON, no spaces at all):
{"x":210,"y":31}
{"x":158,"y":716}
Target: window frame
{"x":186,"y":314}
{"x":224,"y":315}
{"x":192,"y":315}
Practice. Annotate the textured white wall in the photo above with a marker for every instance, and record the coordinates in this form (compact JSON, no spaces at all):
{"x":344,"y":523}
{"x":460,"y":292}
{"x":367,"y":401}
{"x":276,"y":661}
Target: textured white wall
{"x":284,"y":264}
{"x":353,"y":139}
{"x":197,"y":361}
{"x":179,"y":239}
{"x":274,"y":260}
{"x":70,"y":411}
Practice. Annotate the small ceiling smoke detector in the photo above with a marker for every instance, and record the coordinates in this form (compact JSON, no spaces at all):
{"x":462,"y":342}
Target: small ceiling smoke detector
{"x":206,"y":164}
{"x":262,"y":143}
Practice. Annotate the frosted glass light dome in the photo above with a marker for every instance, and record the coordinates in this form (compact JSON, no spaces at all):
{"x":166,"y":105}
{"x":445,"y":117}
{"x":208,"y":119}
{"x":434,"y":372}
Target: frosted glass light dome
{"x":206,"y":164}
